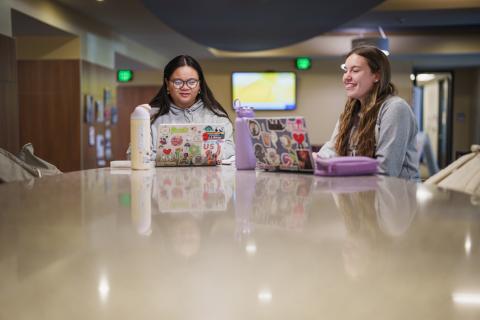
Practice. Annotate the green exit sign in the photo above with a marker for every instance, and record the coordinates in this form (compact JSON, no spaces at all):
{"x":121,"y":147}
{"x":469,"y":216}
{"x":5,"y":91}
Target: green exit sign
{"x":124,"y":75}
{"x":303,"y":63}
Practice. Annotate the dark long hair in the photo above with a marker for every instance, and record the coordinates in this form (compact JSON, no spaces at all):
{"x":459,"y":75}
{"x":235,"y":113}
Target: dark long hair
{"x":162,"y":100}
{"x":365,"y":134}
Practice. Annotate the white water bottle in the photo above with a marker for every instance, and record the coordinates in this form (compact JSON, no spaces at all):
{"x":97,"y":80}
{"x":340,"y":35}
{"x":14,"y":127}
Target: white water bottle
{"x":140,"y":137}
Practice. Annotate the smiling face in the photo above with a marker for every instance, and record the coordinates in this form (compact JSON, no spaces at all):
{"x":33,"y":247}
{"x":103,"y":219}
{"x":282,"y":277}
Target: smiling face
{"x":185,"y":95}
{"x":358,"y":78}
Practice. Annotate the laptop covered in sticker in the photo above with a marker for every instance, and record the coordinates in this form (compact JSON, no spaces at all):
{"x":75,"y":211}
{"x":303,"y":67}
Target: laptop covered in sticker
{"x":191,"y":144}
{"x":281,"y":143}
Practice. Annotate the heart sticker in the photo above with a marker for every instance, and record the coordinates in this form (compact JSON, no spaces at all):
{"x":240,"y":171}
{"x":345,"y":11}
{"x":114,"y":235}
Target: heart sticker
{"x":299,"y":137}
{"x":167,"y":151}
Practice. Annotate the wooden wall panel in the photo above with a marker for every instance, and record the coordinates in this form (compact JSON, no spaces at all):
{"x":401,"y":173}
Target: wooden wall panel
{"x":95,"y":79}
{"x":128,"y":97}
{"x":9,"y":118}
{"x":49,"y":95}
{"x":52,"y":110}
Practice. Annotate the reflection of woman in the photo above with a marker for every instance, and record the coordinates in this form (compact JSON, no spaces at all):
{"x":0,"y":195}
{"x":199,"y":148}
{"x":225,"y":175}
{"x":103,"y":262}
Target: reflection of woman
{"x":375,"y":122}
{"x":373,"y":218}
{"x":183,"y":232}
{"x":396,"y":205}
{"x":363,"y":234}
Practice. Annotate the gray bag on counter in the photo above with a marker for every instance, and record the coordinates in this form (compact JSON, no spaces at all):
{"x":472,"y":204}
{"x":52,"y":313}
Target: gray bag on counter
{"x":24,"y":167}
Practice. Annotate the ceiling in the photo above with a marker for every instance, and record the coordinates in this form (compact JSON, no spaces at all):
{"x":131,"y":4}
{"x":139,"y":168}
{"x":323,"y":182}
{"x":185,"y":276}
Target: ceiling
{"x":284,"y":28}
{"x":251,"y":25}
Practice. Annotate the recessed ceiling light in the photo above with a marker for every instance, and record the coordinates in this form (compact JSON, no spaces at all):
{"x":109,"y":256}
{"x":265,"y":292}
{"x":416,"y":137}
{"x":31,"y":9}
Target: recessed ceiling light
{"x":425,"y":77}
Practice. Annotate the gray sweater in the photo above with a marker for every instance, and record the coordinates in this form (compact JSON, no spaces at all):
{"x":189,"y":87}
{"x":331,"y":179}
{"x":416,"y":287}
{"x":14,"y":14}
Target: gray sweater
{"x":395,"y":136}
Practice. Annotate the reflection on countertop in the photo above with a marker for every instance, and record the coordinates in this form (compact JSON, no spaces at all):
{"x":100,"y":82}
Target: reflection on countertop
{"x":219,"y":243}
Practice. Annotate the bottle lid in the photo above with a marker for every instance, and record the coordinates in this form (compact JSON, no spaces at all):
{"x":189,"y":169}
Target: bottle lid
{"x":245,"y":112}
{"x":141,"y":112}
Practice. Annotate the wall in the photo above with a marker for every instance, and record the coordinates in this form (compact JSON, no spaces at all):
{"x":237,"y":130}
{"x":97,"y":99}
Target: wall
{"x":5,"y":21}
{"x":52,"y":111}
{"x":95,"y":79}
{"x":146,"y":78}
{"x":9,"y":119}
{"x":128,"y":97}
{"x":47,"y":47}
{"x":464,"y":109}
{"x":476,"y":118}
{"x":48,"y":96}
{"x":320,"y":95}
{"x":51,"y":104}
{"x":98,"y":42}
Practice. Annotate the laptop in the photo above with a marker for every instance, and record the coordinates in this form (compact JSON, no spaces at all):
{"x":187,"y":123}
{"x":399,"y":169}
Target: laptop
{"x":281,"y":143}
{"x":192,"y":144}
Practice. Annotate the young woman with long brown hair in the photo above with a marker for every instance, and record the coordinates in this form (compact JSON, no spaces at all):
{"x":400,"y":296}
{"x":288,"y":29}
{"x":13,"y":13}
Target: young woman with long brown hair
{"x":375,"y":122}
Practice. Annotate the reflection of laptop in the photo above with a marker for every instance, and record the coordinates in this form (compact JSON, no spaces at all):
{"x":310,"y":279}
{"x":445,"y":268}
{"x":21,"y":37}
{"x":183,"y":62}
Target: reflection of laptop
{"x":192,"y":144}
{"x":291,"y":196}
{"x":281,"y":143}
{"x":191,"y":190}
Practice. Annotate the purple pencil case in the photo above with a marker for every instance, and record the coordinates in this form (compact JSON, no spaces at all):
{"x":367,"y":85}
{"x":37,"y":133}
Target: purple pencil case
{"x":346,"y":166}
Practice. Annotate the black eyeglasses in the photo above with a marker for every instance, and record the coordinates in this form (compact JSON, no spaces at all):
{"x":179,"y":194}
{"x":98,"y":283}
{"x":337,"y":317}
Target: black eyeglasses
{"x":191,"y":83}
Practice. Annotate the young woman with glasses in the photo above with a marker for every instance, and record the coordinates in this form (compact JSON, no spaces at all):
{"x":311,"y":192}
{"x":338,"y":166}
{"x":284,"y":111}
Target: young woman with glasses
{"x":375,"y":122}
{"x":186,"y":98}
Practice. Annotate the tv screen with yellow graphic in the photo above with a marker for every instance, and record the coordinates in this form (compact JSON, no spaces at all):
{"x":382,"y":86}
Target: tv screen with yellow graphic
{"x":265,"y":90}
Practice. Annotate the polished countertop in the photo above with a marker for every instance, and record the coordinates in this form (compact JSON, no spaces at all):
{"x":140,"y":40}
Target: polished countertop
{"x":216,"y":243}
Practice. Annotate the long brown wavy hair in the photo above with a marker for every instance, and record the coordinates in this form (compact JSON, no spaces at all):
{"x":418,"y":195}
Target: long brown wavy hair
{"x":365,"y":133}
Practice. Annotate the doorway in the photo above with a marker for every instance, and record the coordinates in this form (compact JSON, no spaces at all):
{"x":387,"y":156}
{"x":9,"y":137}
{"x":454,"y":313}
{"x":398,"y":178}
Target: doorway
{"x":434,"y":108}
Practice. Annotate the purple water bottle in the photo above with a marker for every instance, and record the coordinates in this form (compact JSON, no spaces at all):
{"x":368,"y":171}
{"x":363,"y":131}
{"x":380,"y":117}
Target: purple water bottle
{"x":244,"y":155}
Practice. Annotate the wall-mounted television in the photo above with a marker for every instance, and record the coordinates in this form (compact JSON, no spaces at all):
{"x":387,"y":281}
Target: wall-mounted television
{"x":265,"y":90}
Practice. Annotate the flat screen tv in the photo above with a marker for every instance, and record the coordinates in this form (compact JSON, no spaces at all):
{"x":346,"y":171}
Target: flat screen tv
{"x":265,"y":90}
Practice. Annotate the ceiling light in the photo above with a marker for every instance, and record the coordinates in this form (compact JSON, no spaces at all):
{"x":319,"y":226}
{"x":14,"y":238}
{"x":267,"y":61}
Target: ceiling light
{"x":466,"y":298}
{"x":251,"y":248}
{"x":468,"y":245}
{"x":425,"y":77}
{"x":423,"y":194}
{"x":265,"y":296}
{"x":103,"y":288}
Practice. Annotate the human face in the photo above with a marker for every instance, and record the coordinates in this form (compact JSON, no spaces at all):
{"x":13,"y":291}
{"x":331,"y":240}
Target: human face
{"x":358,"y":78}
{"x":183,"y":97}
